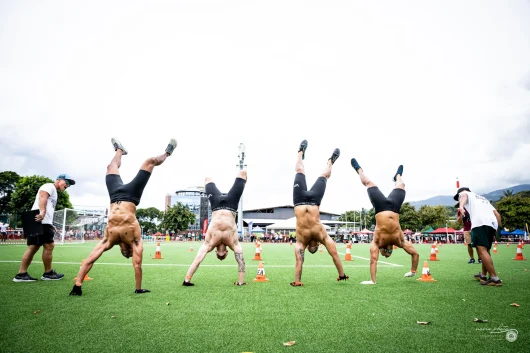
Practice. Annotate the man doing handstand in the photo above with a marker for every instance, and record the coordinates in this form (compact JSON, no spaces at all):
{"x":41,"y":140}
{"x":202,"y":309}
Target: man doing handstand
{"x":123,"y":228}
{"x":222,"y":230}
{"x":309,"y":230}
{"x":387,"y":229}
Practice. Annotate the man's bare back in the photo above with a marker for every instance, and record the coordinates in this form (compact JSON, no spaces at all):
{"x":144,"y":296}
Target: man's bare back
{"x":222,"y":230}
{"x":308,"y":226}
{"x":387,"y":230}
{"x":122,"y":227}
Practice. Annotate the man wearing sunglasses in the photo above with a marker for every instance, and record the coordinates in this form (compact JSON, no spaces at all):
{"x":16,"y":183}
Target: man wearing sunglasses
{"x":387,"y":229}
{"x":45,"y":202}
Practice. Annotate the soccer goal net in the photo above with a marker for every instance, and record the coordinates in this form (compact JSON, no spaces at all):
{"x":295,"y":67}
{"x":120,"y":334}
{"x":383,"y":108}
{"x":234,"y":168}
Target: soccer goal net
{"x":78,"y":226}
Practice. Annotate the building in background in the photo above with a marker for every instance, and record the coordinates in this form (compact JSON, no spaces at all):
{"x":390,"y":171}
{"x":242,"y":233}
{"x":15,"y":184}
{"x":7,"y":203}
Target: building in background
{"x":196,"y":200}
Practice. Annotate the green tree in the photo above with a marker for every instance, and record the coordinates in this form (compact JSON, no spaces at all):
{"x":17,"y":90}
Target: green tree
{"x":515,"y":211}
{"x":409,"y":218}
{"x":149,"y":218}
{"x":8,"y":181}
{"x":434,"y":216}
{"x":507,"y":193}
{"x":177,"y":218}
{"x":25,"y":191}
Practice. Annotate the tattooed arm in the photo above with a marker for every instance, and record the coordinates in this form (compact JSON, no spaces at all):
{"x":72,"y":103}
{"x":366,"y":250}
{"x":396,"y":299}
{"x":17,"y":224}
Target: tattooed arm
{"x":238,"y":253}
{"x":299,"y":253}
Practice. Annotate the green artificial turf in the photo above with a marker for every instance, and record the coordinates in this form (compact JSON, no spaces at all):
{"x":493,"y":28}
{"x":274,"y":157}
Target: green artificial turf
{"x":215,"y":316}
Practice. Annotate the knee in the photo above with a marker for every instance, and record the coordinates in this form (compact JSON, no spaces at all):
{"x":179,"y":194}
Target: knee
{"x":242,"y":174}
{"x":300,"y":169}
{"x":150,"y":162}
{"x":49,"y":247}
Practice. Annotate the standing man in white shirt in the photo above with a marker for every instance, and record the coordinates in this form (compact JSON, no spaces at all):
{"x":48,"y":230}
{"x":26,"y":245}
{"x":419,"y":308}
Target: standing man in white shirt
{"x":45,"y":202}
{"x":3,"y":231}
{"x":485,"y":222}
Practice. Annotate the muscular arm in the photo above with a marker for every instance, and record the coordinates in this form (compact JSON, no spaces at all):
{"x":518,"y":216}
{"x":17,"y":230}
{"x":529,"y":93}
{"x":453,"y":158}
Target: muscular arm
{"x":374,"y":256}
{"x":201,"y":254}
{"x":299,"y":254}
{"x":43,"y":201}
{"x":240,"y":264}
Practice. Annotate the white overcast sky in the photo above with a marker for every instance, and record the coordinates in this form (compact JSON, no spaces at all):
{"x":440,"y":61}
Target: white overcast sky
{"x":442,"y":87}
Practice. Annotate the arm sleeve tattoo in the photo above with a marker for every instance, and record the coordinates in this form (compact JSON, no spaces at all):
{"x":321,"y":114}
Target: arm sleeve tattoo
{"x":240,"y":262}
{"x":301,"y":252}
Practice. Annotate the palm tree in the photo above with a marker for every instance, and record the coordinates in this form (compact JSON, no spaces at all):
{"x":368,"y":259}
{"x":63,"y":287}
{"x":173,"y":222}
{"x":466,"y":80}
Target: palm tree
{"x":507,"y":193}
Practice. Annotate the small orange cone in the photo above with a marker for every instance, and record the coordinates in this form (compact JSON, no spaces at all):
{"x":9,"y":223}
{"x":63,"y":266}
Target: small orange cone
{"x":433,"y":253}
{"x":348,"y":252}
{"x":290,"y":242}
{"x":495,"y":247}
{"x":191,"y":248}
{"x":86,"y":276}
{"x":257,"y":254}
{"x":321,"y":248}
{"x":507,"y":244}
{"x":436,"y":247}
{"x":426,"y":274}
{"x":519,"y":254}
{"x":260,"y":276}
{"x":158,"y":254}
{"x":395,"y":247}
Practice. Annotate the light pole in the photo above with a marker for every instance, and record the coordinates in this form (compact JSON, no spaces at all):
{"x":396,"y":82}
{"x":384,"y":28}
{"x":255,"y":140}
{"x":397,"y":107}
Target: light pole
{"x":241,"y":165}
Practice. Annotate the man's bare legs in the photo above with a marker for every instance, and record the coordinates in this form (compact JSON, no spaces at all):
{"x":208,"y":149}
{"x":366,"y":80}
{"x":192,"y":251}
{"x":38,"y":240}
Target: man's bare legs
{"x":238,"y":254}
{"x":364,"y":179}
{"x":47,"y":255}
{"x":201,"y":254}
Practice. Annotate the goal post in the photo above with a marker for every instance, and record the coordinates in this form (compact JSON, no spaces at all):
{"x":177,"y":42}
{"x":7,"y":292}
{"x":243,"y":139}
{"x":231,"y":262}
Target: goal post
{"x":78,"y":226}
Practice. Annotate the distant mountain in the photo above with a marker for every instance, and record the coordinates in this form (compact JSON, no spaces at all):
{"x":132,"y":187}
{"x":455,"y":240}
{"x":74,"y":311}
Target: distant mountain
{"x":448,"y":200}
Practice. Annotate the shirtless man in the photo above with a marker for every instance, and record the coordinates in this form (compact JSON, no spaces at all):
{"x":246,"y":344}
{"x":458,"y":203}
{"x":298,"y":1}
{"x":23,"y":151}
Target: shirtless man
{"x":387,"y":229}
{"x":309,"y":230}
{"x":123,"y":228}
{"x":222,"y":230}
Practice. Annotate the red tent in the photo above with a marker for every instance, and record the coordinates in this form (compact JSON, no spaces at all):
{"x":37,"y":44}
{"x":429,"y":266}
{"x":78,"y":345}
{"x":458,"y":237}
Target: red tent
{"x":443,"y":231}
{"x":366,"y":231}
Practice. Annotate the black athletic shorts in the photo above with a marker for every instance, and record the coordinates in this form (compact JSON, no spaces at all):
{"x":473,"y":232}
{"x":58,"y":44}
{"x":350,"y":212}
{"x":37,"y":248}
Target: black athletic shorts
{"x":230,"y":201}
{"x":482,"y":236}
{"x":131,"y":192}
{"x":381,"y":203}
{"x":45,"y":238}
{"x":312,"y":197}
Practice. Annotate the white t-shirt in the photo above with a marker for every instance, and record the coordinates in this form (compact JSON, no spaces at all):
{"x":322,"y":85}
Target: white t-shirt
{"x":50,"y":206}
{"x":480,"y":210}
{"x":3,"y":228}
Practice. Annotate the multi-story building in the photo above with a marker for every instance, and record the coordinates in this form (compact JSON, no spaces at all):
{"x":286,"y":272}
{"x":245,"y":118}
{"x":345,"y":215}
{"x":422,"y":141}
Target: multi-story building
{"x":196,"y":200}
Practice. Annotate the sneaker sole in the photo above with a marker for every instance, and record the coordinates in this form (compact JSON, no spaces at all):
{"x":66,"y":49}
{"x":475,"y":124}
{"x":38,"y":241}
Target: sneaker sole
{"x":51,"y":279}
{"x":24,"y":280}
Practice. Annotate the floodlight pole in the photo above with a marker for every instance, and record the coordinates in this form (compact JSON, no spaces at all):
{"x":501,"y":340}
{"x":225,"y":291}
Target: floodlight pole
{"x":241,"y":165}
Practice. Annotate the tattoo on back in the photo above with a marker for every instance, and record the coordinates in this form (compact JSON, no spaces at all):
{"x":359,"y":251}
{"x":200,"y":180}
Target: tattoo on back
{"x":301,"y":252}
{"x":240,"y":262}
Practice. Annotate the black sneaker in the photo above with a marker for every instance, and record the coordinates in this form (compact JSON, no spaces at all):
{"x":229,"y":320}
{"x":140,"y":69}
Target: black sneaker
{"x":24,"y":277}
{"x":490,"y":282}
{"x":51,"y":276}
{"x":187,"y":284}
{"x":479,"y":261}
{"x":117,"y":145}
{"x":480,"y":277}
{"x":471,"y":261}
{"x":303,"y":147}
{"x":355,"y":165}
{"x":399,"y":172}
{"x":171,"y":146}
{"x":335,"y":155}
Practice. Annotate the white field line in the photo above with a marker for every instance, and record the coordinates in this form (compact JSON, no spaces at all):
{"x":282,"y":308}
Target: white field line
{"x":187,"y":265}
{"x":379,"y":262}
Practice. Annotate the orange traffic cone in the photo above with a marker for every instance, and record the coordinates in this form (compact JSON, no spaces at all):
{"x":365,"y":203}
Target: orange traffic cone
{"x":260,"y":276}
{"x":86,"y":276}
{"x":320,"y":248}
{"x":426,"y":274}
{"x":348,"y":252}
{"x":191,"y":248}
{"x":395,"y":247}
{"x":436,"y":246}
{"x":433,"y":253}
{"x":495,"y":247}
{"x":158,"y":254}
{"x":257,"y":254}
{"x":519,"y":254}
{"x":290,"y":242}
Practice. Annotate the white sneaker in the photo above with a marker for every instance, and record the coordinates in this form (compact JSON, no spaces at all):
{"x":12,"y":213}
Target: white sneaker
{"x":118,"y":146}
{"x":171,"y":146}
{"x":410,"y":274}
{"x":367,"y":282}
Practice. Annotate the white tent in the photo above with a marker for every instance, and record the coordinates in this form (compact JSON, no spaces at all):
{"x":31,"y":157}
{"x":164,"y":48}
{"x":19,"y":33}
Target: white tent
{"x":288,"y":224}
{"x":257,"y":229}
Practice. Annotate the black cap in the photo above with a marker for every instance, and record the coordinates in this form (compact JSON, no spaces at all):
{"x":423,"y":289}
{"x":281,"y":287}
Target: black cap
{"x":459,"y":191}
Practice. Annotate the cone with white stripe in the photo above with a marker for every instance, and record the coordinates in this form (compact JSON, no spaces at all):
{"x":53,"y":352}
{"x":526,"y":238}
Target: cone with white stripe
{"x":426,"y":274}
{"x":260,"y":276}
{"x":348,"y":253}
{"x":158,"y":253}
{"x":519,"y":254}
